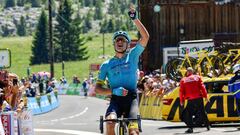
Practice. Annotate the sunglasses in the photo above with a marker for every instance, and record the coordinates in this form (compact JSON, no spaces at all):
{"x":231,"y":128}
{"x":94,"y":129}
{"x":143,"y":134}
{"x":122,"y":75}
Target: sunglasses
{"x":120,"y":39}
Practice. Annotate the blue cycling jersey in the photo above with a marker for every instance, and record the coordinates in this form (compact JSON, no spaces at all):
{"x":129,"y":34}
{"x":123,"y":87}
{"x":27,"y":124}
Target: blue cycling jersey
{"x":234,"y":85}
{"x":122,"y":72}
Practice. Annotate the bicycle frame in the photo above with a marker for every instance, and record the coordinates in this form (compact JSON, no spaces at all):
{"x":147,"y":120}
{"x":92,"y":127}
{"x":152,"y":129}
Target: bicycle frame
{"x":232,"y":52}
{"x":182,"y":68}
{"x":202,"y":55}
{"x":122,"y":124}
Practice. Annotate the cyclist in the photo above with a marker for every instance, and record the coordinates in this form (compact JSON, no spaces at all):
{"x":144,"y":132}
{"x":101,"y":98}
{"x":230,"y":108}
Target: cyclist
{"x":234,"y":86}
{"x":121,"y":72}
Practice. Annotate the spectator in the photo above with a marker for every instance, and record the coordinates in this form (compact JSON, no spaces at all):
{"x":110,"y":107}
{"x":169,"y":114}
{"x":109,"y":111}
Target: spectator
{"x":85,"y":87}
{"x":63,"y":80}
{"x":74,"y":79}
{"x":234,"y":86}
{"x":78,"y":81}
{"x":193,"y":90}
{"x":168,"y":84}
{"x":50,"y":88}
{"x":157,"y":89}
{"x":30,"y":91}
{"x":41,"y":86}
{"x":33,"y":91}
{"x":149,"y":86}
{"x":140,"y":85}
{"x":34,"y":78}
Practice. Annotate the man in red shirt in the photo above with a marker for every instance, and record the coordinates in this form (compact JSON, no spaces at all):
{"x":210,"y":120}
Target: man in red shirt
{"x":193,"y":90}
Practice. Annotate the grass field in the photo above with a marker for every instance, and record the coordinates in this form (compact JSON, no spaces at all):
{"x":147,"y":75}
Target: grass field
{"x":20,"y":48}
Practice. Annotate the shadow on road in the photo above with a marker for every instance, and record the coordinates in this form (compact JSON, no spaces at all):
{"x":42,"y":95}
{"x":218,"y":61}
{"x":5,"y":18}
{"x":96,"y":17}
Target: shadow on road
{"x":212,"y":125}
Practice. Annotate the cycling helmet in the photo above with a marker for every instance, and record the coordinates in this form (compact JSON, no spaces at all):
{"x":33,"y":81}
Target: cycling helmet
{"x":122,"y":33}
{"x":236,"y":68}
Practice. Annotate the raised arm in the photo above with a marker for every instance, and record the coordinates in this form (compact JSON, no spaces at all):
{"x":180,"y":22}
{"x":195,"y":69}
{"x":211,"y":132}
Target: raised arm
{"x":141,"y":28}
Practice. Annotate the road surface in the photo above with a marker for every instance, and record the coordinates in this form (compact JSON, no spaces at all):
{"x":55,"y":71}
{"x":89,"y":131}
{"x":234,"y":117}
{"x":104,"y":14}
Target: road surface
{"x":77,"y":115}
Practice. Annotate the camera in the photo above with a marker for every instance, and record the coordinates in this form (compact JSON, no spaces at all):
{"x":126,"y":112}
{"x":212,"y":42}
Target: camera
{"x":15,"y":81}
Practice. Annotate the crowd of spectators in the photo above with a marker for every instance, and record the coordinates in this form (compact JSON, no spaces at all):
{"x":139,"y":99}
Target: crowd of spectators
{"x":38,"y":84}
{"x":154,"y":84}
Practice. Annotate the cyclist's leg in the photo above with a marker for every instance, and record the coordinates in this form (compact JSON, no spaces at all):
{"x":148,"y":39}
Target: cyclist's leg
{"x":110,"y":125}
{"x":111,"y":114}
{"x":134,"y":111}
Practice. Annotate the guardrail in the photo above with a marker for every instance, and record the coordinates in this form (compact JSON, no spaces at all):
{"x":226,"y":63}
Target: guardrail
{"x":151,"y":107}
{"x":42,"y":104}
{"x":69,"y":89}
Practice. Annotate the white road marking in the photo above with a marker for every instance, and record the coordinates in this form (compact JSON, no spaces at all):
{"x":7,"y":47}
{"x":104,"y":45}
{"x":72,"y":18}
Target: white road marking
{"x":70,"y":132}
{"x":65,"y":118}
{"x":73,"y":124}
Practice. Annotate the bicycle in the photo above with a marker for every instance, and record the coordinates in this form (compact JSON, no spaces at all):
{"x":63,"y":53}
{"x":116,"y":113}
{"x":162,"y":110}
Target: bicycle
{"x":231,"y":58}
{"x":121,"y":128}
{"x":204,"y":64}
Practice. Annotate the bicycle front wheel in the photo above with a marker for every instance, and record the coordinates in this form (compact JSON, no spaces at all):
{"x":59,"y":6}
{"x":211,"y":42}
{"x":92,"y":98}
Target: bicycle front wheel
{"x":121,"y":129}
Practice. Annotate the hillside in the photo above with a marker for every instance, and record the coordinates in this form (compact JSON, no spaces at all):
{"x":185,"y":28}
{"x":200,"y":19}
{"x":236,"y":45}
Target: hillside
{"x":110,"y":13}
{"x":21,"y":51}
{"x":114,"y":15}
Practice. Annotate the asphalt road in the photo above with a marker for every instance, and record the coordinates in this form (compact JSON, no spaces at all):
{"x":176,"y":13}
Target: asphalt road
{"x":77,"y":115}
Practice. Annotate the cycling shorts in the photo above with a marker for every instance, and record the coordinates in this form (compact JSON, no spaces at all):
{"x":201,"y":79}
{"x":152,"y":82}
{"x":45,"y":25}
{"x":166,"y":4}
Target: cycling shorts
{"x":124,"y":105}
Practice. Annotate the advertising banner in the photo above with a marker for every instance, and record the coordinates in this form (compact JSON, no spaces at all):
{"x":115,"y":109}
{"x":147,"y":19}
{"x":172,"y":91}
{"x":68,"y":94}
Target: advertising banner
{"x":54,"y":101}
{"x":33,"y":105}
{"x":62,"y":88}
{"x":10,"y":124}
{"x":44,"y":103}
{"x":1,"y":128}
{"x":26,"y":121}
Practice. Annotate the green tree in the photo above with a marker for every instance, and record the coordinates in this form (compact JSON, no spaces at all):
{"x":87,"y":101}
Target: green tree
{"x":2,"y":3}
{"x":5,"y":31}
{"x":20,"y":3}
{"x":113,"y":8}
{"x":134,"y":1}
{"x":104,"y":26}
{"x":10,"y":3}
{"x":88,"y":3}
{"x":40,"y":50}
{"x":111,"y":25}
{"x":21,"y":27}
{"x":67,"y":41}
{"x":87,"y":25}
{"x":44,"y":1}
{"x":98,"y":10}
{"x":35,"y":3}
{"x":123,"y":5}
{"x":80,"y":53}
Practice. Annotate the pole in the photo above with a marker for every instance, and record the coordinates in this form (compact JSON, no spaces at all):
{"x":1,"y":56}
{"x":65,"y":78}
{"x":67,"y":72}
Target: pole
{"x":62,"y":68}
{"x":50,"y":39}
{"x":103,"y":46}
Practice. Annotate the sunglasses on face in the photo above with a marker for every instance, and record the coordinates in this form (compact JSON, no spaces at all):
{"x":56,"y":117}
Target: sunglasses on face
{"x":120,"y":39}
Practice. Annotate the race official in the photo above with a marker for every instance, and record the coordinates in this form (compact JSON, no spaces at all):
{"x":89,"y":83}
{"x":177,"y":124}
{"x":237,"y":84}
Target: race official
{"x":193,"y":90}
{"x":234,"y":86}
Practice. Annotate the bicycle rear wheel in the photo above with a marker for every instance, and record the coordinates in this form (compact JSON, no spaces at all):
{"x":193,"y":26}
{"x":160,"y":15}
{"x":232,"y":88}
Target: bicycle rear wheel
{"x":178,"y":67}
{"x":172,"y":69}
{"x":212,"y":68}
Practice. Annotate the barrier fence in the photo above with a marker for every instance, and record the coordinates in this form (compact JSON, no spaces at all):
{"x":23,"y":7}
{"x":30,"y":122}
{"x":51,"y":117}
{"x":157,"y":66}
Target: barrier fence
{"x":44,"y":104}
{"x":151,"y":107}
{"x":69,"y":89}
{"x":21,"y":123}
